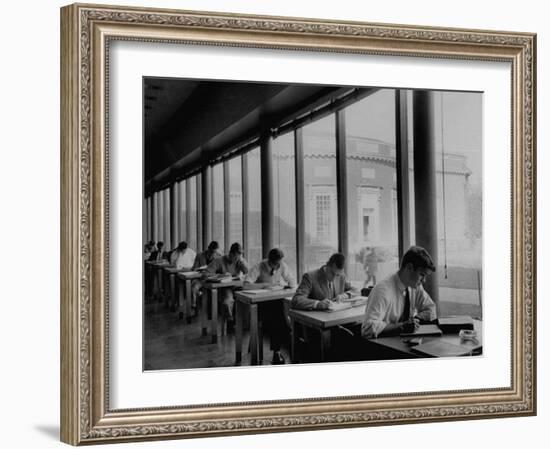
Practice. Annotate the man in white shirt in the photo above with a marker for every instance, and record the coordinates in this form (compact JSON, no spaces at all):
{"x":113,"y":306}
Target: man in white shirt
{"x":398,"y":303}
{"x":182,"y":257}
{"x":275,"y":272}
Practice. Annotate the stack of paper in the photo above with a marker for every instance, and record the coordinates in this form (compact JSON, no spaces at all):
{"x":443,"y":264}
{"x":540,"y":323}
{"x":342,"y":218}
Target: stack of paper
{"x":226,"y":280}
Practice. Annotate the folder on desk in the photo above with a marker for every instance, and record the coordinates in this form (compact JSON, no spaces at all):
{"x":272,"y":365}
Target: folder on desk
{"x":423,"y":330}
{"x":440,"y":348}
{"x":454,"y":324}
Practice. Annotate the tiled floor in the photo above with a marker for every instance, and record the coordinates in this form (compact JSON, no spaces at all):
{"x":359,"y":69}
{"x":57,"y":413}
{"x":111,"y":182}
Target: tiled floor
{"x":171,"y":343}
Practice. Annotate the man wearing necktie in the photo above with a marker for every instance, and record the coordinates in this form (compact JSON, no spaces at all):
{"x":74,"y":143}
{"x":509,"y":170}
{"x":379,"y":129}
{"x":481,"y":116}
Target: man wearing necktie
{"x":398,"y":303}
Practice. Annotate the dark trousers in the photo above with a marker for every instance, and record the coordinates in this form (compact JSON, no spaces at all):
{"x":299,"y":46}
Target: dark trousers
{"x":275,"y":323}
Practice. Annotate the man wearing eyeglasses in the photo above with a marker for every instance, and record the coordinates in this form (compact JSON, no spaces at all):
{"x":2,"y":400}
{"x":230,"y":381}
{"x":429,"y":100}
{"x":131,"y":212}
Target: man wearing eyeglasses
{"x":398,"y":304}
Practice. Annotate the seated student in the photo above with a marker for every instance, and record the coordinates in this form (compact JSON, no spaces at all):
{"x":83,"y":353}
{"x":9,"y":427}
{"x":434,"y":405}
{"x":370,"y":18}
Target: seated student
{"x":275,"y":272}
{"x":149,"y":248}
{"x":322,"y":286}
{"x":235,"y":265}
{"x":182,"y":257}
{"x":398,"y":303}
{"x":157,"y":254}
{"x":206,"y":257}
{"x":202,"y":260}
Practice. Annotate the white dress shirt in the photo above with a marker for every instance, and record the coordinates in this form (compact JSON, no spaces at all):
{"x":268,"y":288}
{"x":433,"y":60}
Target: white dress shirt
{"x":386,"y":305}
{"x":262,"y":272}
{"x":184,"y":259}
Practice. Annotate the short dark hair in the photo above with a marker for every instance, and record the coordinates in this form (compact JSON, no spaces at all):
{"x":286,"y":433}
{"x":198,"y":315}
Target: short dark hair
{"x":236,"y":248}
{"x":213,"y":246}
{"x":338,"y":260}
{"x":182,"y":246}
{"x":418,"y":257}
{"x":275,"y":255}
{"x":160,"y":244}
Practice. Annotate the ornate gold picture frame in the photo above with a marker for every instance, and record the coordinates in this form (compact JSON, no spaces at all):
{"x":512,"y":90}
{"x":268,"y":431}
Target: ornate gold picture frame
{"x":87,"y":32}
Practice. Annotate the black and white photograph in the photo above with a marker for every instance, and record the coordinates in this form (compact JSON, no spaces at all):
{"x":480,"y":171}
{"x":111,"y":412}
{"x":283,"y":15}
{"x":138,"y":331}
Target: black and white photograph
{"x":306,"y":223}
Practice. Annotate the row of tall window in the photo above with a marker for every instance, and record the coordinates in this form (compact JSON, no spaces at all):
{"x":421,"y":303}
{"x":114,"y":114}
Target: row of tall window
{"x":371,"y":193}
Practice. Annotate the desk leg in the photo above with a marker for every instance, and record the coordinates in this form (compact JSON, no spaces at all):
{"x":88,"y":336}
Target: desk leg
{"x":260,"y":342}
{"x":181,"y":300}
{"x":166,"y":287}
{"x":155,"y":284}
{"x":173,"y":291}
{"x":204,"y":312}
{"x":325,"y":342}
{"x":239,"y":306}
{"x":214,"y":298}
{"x":189,"y":300}
{"x":293,"y":337}
{"x":253,"y":334}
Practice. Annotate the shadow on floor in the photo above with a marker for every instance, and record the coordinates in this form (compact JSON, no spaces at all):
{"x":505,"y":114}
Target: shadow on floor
{"x":50,"y":431}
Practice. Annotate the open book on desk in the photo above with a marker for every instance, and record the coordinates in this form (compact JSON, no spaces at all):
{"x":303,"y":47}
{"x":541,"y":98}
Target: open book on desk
{"x":356,"y":300}
{"x":337,"y":306}
{"x":221,"y":278}
{"x":347,"y":303}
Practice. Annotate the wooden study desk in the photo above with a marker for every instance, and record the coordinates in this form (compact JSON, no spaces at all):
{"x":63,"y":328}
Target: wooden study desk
{"x":252,"y":299}
{"x":323,"y":321}
{"x":397,"y":348}
{"x":212,"y":292}
{"x":185,"y":301}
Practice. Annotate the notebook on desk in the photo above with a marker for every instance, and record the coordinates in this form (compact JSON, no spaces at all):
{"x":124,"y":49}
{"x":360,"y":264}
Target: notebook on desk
{"x":441,"y":348}
{"x":423,"y":330}
{"x":337,"y":306}
{"x":356,"y":300}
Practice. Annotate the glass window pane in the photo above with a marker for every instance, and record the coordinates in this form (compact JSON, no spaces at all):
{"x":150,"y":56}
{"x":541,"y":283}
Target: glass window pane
{"x":253,"y":244}
{"x":236,"y":200}
{"x":166,"y":219}
{"x":192,"y":185}
{"x":218,"y":205}
{"x":183,"y":211}
{"x":458,"y":128}
{"x":372,"y":188}
{"x":284,"y":177}
{"x":321,"y":223}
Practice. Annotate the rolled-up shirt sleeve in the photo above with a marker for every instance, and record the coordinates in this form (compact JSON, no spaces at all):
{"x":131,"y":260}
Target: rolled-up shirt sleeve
{"x":253,"y":274}
{"x":375,"y":313}
{"x":425,"y":307}
{"x":242,"y":267}
{"x":287,"y":276}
